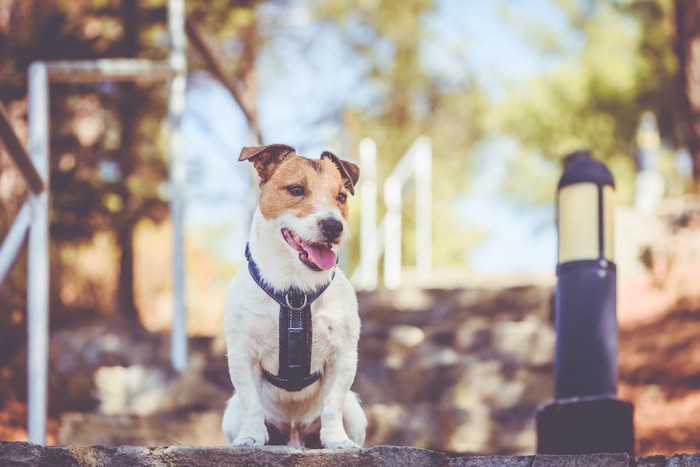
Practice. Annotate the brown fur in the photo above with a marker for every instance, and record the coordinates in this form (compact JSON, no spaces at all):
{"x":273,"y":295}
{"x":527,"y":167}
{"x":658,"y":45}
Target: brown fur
{"x":320,"y":178}
{"x":266,"y":158}
{"x":349,"y":171}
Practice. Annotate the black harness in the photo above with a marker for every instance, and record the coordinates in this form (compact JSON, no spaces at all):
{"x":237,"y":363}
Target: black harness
{"x":294,"y":330}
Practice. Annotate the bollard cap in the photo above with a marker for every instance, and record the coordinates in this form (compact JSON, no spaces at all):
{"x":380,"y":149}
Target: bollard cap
{"x":580,"y":167}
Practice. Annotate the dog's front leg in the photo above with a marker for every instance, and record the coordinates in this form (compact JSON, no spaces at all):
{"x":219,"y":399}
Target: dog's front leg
{"x":339,"y":378}
{"x":246,"y":375}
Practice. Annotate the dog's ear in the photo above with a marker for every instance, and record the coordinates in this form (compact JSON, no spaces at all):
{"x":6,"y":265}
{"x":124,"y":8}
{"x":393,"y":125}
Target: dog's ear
{"x":266,"y":159}
{"x":349,"y":171}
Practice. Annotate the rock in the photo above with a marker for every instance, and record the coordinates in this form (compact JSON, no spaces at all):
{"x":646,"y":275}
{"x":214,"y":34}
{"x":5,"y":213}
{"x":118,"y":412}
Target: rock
{"x":467,"y":382}
{"x":455,"y":370}
{"x":27,"y":454}
{"x":199,"y":428}
{"x":141,"y":390}
{"x":493,"y":461}
{"x":447,"y":427}
{"x":421,"y":307}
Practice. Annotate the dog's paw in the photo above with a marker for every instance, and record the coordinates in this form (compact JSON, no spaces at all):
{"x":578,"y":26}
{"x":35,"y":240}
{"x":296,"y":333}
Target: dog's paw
{"x":247,"y":441}
{"x":339,"y":443}
{"x":251,"y":438}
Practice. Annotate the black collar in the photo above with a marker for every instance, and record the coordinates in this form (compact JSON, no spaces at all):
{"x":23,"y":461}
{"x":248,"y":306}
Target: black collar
{"x":292,"y":298}
{"x":295,"y":333}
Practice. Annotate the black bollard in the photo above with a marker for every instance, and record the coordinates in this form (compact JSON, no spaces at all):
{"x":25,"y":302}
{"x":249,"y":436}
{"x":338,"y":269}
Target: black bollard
{"x":586,"y":415}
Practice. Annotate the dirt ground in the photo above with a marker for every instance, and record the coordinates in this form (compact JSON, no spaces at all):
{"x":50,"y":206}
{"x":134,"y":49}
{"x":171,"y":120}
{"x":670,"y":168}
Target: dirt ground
{"x":660,"y":372}
{"x":13,"y":424}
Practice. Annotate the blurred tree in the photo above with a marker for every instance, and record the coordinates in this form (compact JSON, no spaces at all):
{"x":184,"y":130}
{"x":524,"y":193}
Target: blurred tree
{"x":622,"y":65}
{"x":104,"y":176}
{"x":412,"y":97}
{"x":688,"y":49}
{"x":108,"y":163}
{"x":236,"y":24}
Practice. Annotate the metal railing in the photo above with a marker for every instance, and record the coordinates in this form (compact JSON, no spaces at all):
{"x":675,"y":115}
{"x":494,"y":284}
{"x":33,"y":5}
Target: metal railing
{"x":32,"y":221}
{"x":15,"y":236}
{"x":33,"y":216}
{"x":385,"y":237}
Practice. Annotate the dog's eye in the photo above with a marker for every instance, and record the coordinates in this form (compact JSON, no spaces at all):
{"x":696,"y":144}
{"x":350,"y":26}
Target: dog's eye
{"x":296,"y":190}
{"x":342,"y":197}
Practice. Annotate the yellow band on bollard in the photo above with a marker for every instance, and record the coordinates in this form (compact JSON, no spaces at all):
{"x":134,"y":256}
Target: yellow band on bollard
{"x":578,"y":223}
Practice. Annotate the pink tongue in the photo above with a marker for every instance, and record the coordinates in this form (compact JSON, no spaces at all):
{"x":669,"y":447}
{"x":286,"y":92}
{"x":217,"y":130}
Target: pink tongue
{"x":323,"y":258}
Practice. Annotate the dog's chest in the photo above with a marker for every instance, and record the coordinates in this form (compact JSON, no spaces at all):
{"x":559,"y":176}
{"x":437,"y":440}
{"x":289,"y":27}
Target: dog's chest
{"x":266,"y":339}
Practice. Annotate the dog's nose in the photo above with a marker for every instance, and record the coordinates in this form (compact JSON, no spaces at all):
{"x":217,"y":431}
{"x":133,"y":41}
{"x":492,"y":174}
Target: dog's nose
{"x":331,"y":228}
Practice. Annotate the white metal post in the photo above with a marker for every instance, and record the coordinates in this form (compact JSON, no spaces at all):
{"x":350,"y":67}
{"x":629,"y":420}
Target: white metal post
{"x":38,"y":259}
{"x":368,"y":215}
{"x":38,"y":245}
{"x":423,"y":174}
{"x":392,"y":234}
{"x":178,"y":62}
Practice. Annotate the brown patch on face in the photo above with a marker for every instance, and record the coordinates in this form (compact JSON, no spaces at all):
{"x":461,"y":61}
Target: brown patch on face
{"x":266,"y":159}
{"x":349,"y":172}
{"x":301,"y":186}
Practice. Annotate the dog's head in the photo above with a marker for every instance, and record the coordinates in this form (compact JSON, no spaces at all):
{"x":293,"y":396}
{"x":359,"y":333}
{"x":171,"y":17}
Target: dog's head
{"x":305,"y":199}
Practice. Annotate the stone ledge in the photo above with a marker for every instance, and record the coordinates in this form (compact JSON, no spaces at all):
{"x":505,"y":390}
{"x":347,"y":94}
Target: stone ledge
{"x":27,"y":454}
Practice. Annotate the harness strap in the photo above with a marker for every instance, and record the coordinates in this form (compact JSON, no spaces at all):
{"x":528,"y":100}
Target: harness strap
{"x":295,"y":332}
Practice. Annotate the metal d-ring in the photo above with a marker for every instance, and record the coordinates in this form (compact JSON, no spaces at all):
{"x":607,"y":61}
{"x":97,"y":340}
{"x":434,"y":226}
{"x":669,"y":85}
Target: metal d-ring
{"x":286,"y":297}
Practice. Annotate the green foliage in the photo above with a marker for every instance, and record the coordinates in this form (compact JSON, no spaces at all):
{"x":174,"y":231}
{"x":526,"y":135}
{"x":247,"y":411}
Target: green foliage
{"x":108,"y":157}
{"x":623,"y":65}
{"x":223,"y":18}
{"x":594,"y":99}
{"x":93,"y":127}
{"x":411,"y":99}
{"x":620,"y":64}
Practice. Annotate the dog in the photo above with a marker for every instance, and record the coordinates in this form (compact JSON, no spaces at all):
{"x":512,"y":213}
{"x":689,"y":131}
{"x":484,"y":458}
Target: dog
{"x":291,"y":317}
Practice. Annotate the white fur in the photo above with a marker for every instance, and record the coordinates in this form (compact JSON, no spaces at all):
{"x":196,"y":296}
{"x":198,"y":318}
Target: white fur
{"x":252,"y":335}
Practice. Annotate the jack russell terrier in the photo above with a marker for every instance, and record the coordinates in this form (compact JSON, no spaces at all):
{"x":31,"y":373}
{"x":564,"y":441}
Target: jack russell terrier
{"x":291,"y":319}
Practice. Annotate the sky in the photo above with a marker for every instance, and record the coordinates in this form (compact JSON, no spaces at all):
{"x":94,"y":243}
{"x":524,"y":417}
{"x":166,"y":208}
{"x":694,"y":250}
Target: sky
{"x":496,"y":52}
{"x":303,"y":90}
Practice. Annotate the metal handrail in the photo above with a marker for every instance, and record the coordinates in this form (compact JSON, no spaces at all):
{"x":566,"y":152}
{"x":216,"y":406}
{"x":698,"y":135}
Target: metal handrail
{"x":33,"y":217}
{"x":384,"y":238}
{"x":19,"y":154}
{"x":32,"y":222}
{"x":177,"y":60}
{"x":365,"y":275}
{"x":120,"y":69}
{"x":9,"y":250}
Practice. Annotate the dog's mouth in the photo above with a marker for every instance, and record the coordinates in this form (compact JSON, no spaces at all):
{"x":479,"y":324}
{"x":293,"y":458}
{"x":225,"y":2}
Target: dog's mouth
{"x":316,"y":256}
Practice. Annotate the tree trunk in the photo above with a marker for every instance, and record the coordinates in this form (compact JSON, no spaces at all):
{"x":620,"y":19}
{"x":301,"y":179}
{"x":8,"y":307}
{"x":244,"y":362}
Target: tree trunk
{"x":126,"y":305}
{"x":247,"y":73}
{"x":125,"y":222}
{"x":243,"y":85}
{"x":688,"y":50}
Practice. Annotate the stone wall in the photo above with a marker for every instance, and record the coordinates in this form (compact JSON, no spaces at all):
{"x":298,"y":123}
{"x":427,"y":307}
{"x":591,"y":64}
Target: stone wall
{"x":26,"y":454}
{"x":453,"y":370}
{"x":456,"y":370}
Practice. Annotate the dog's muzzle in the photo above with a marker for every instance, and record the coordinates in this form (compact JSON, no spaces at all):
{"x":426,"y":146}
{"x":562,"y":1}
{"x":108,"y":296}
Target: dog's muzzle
{"x":331,"y":229}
